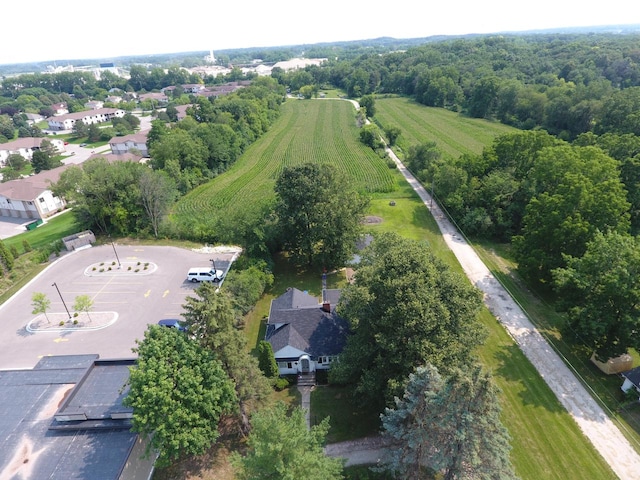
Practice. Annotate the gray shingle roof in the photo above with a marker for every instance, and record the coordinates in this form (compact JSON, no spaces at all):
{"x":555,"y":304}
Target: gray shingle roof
{"x":296,"y":319}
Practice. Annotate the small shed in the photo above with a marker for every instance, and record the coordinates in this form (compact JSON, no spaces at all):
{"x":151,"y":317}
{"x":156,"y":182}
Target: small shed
{"x":79,"y":240}
{"x":631,"y":380}
{"x":614,"y":365}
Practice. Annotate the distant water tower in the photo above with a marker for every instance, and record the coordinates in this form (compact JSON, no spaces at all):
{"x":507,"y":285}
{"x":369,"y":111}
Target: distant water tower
{"x":210,"y":58}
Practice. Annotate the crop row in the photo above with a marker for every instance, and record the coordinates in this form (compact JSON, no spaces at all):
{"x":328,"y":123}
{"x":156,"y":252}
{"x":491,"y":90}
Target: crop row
{"x":307,"y":131}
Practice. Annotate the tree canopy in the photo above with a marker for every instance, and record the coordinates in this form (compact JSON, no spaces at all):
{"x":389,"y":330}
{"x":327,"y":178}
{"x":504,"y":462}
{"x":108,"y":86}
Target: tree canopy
{"x":600,"y":293}
{"x":405,"y":308}
{"x":211,"y":320}
{"x":448,"y":424}
{"x":319,"y":214}
{"x":179,"y":392}
{"x":281,"y":446}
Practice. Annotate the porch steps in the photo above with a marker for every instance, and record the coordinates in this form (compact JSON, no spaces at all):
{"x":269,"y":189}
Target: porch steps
{"x":307,"y":379}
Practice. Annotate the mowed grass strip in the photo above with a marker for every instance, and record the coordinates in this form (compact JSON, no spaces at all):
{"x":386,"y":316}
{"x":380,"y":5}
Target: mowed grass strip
{"x":454,"y":133}
{"x":321,"y":131}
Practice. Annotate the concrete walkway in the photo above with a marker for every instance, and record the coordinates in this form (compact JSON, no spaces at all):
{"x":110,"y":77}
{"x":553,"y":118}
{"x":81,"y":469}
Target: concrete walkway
{"x":590,"y":417}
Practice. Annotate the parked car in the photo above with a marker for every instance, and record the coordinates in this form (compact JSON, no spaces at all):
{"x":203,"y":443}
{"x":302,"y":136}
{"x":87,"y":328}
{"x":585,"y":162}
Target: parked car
{"x":204,"y":274}
{"x":173,"y":323}
{"x":84,"y":144}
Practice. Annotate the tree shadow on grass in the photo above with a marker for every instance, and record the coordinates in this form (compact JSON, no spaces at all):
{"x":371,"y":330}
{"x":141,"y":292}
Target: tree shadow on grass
{"x":514,"y":368}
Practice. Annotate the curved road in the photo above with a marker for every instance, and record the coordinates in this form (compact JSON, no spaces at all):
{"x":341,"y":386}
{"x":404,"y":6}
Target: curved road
{"x":590,"y":417}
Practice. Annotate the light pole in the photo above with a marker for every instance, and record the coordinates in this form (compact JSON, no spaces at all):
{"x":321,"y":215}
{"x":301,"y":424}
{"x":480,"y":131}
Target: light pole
{"x":114,"y":251}
{"x":54,"y":284}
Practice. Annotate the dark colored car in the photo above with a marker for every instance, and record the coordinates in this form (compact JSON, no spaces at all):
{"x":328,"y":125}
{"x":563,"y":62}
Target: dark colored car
{"x":173,"y":323}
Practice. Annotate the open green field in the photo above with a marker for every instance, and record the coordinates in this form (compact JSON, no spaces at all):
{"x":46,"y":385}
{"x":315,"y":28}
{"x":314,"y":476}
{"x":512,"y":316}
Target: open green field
{"x":307,"y":131}
{"x":453,"y":133}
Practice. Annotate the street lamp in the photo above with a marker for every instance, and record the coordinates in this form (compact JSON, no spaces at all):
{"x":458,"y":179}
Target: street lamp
{"x":114,"y":251}
{"x":54,"y":284}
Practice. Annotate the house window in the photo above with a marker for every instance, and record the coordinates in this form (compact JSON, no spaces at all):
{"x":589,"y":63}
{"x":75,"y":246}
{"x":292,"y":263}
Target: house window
{"x":41,"y":200}
{"x":8,"y":200}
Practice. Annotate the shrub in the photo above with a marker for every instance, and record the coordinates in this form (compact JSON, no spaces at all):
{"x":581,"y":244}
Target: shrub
{"x":26,"y":246}
{"x":280,"y":383}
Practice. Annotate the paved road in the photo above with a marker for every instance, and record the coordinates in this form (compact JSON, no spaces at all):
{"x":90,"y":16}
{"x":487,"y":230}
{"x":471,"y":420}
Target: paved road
{"x":592,"y":420}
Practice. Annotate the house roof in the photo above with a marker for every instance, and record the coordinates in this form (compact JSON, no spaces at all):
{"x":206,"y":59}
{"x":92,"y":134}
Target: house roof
{"x":296,"y":319}
{"x":293,"y":298}
{"x":30,"y":188}
{"x":36,"y":445}
{"x":24,"y":142}
{"x":86,"y":113}
{"x":633,"y":376}
{"x":134,"y":137}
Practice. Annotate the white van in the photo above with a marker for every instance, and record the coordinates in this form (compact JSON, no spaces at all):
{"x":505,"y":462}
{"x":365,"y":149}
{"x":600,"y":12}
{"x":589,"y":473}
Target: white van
{"x":204,"y":274}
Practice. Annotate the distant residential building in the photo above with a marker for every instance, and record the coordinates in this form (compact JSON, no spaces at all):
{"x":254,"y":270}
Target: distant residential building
{"x":94,"y":105}
{"x":31,"y":197}
{"x":66,"y":122}
{"x":127,"y":143}
{"x":193,"y":88}
{"x":25,"y":147}
{"x":59,"y":109}
{"x":160,"y":98}
{"x":113,"y":99}
{"x":33,"y":118}
{"x":182,"y":111}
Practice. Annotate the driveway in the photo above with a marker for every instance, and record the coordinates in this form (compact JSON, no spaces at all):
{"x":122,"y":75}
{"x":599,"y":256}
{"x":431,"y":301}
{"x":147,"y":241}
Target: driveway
{"x":131,"y":299}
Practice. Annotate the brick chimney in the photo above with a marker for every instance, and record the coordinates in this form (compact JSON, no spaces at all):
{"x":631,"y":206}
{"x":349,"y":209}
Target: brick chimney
{"x":326,"y":306}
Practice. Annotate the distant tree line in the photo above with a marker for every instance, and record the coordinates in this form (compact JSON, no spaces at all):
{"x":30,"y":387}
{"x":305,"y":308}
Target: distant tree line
{"x":566,"y":84}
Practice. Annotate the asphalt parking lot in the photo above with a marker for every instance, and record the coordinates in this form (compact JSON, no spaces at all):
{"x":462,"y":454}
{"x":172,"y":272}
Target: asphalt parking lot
{"x":135,"y":299}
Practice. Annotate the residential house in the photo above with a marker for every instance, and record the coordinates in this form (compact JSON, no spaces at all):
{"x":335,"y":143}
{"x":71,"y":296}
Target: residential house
{"x":94,"y":105}
{"x":59,"y":109}
{"x":31,"y":197}
{"x":25,"y":147}
{"x":193,"y":88}
{"x":182,"y":111}
{"x":135,"y":141}
{"x":159,"y":99}
{"x":305,"y":335}
{"x":33,"y":118}
{"x":113,"y":99}
{"x":65,"y":419}
{"x":631,"y":380}
{"x":66,"y":122}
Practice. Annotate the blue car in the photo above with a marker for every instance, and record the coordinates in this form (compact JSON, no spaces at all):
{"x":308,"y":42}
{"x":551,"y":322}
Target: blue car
{"x":173,"y":323}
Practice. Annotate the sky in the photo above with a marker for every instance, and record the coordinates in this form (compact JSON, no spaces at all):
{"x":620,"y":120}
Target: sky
{"x":40,"y":30}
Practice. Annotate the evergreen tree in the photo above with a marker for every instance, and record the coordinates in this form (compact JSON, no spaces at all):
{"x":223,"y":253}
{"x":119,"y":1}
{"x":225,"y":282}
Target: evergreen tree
{"x":266,"y":360}
{"x":449,"y":425}
{"x":211,"y":320}
{"x":6,"y":259}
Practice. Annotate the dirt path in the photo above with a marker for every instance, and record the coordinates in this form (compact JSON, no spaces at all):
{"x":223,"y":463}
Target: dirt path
{"x":592,"y":420}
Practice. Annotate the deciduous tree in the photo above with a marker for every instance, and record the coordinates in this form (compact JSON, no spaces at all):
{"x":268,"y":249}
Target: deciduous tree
{"x":319,"y":214}
{"x":281,"y":446}
{"x":40,"y":304}
{"x":179,"y":392}
{"x":405,"y":308}
{"x":600,"y":293}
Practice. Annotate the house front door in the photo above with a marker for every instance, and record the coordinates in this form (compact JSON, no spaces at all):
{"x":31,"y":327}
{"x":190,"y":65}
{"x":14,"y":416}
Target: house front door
{"x":304,"y":364}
